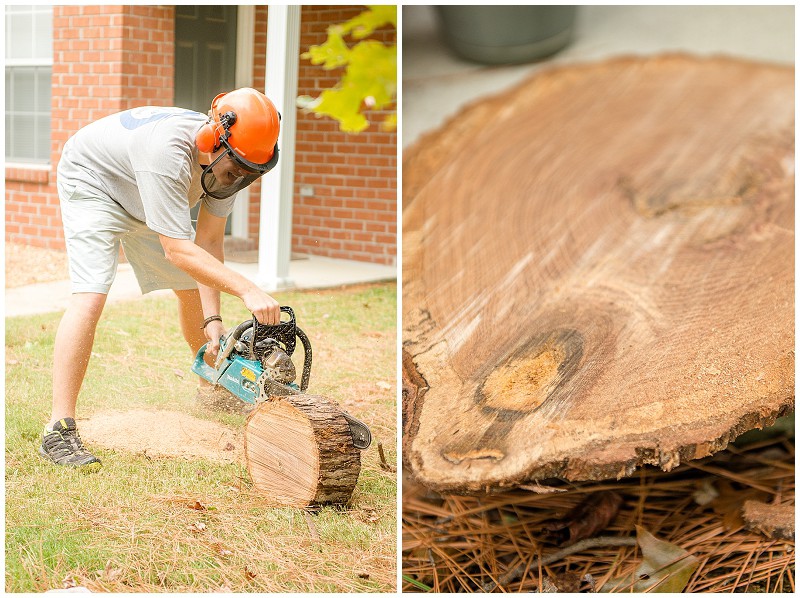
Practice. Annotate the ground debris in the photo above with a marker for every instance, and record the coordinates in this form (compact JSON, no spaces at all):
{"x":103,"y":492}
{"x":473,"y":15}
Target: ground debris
{"x":774,"y":521}
{"x":587,"y":518}
{"x":469,"y":543}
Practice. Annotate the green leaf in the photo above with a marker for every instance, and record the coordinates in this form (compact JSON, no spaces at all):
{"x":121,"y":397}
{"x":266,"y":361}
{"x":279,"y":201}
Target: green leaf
{"x":665,"y":567}
{"x":417,"y":584}
{"x":369,"y":81}
{"x":331,"y":54}
{"x":368,"y":21}
{"x":390,"y":122}
{"x":343,"y":104}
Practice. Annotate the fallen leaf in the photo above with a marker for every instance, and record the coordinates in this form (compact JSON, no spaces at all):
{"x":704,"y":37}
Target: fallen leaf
{"x":229,"y":447}
{"x":364,"y":575}
{"x":197,"y":506}
{"x":591,"y":516}
{"x":110,"y":573}
{"x":69,"y":582}
{"x":220,"y":549}
{"x":248,"y":573}
{"x":197,"y":527}
{"x":665,"y":567}
{"x":730,"y":501}
{"x":179,"y":373}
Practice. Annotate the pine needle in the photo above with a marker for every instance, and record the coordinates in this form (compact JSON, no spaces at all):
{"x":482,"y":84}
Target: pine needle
{"x":497,"y":542}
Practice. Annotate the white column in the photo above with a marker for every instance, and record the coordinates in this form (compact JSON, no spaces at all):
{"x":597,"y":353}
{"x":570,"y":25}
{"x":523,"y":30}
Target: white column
{"x":245,"y":37}
{"x":277,"y":186}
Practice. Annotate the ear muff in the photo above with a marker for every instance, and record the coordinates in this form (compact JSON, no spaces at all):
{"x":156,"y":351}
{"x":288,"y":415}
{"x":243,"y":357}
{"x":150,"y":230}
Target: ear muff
{"x":207,"y":138}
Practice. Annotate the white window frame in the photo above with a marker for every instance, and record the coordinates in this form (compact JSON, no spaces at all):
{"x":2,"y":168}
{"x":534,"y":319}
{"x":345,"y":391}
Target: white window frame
{"x":36,"y":163}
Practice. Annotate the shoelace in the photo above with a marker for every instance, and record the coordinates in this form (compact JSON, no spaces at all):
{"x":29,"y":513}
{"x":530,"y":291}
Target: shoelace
{"x":73,"y":441}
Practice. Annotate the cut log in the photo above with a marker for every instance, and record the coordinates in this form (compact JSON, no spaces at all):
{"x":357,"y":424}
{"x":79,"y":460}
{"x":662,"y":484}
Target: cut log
{"x":300,"y":452}
{"x":598,"y":273}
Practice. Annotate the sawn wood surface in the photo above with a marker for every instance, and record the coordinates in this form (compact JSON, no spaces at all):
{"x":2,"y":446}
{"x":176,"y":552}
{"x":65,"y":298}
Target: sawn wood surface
{"x":299,"y":451}
{"x":598,"y":272}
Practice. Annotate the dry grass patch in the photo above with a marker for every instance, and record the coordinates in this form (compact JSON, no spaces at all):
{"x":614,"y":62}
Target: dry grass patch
{"x":182,"y":523}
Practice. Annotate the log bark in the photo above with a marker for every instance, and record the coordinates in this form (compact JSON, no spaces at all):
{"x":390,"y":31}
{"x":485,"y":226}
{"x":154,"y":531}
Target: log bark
{"x":774,"y":521}
{"x":598,"y":272}
{"x":300,"y":452}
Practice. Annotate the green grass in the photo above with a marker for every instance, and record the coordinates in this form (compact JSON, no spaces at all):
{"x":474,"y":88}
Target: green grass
{"x":131,"y":527}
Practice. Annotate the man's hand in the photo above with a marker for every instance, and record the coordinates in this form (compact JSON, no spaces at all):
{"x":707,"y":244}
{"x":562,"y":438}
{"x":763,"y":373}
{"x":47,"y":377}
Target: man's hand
{"x":262,"y":306}
{"x":213,"y":331}
{"x":209,"y":271}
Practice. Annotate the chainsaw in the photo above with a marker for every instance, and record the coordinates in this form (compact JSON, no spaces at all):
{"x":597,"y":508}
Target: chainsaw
{"x":254,"y":363}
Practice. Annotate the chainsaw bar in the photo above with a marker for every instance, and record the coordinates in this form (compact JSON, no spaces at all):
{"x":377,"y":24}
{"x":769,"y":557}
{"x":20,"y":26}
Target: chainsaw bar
{"x":362,"y":437}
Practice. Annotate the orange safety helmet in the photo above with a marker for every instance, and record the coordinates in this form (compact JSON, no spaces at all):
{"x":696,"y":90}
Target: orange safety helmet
{"x":247,"y":123}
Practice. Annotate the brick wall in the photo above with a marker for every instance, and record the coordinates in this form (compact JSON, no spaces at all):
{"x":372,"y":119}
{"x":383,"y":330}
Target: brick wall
{"x":346,"y":188}
{"x":111,"y":58}
{"x":345,"y":191}
{"x":105,"y":59}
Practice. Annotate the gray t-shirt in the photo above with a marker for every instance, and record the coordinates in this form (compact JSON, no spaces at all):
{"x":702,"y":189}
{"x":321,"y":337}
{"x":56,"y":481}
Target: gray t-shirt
{"x":145,"y":160}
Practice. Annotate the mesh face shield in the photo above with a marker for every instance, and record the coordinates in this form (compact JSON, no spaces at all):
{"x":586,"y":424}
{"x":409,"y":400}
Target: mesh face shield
{"x":247,"y":173}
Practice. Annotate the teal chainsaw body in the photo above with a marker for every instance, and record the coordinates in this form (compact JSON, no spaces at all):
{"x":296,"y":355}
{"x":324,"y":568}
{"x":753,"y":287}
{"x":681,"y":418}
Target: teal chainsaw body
{"x":237,"y":375}
{"x":255,"y":362}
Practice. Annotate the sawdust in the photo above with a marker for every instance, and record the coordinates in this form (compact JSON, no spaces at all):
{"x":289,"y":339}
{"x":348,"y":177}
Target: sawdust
{"x":163,"y":434}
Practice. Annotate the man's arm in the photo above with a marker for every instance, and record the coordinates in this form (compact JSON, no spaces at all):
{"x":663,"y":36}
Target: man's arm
{"x":210,"y":236}
{"x":207,"y":270}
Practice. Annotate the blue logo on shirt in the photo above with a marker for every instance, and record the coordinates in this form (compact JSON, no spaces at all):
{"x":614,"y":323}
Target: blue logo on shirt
{"x":135,"y":118}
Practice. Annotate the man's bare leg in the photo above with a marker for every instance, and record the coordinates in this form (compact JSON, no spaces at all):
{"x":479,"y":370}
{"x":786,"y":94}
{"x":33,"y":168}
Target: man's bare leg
{"x":61,"y":443}
{"x":73,"y":348}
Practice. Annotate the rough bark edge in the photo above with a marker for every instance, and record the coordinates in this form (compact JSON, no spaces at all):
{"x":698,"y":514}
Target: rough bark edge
{"x":414,"y":387}
{"x":339,"y":460}
{"x":576,"y":470}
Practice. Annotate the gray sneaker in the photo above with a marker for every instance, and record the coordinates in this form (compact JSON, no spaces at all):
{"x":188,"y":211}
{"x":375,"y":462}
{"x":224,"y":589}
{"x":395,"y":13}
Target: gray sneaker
{"x":63,"y":446}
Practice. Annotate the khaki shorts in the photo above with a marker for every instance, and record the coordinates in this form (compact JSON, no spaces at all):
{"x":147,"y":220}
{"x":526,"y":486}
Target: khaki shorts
{"x":94,"y":227}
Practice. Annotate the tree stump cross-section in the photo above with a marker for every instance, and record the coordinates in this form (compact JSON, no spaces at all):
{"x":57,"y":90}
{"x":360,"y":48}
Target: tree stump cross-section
{"x":299,"y":451}
{"x":598,"y":272}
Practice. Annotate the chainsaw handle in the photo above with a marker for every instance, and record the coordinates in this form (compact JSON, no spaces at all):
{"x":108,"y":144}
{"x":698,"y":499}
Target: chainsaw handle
{"x":306,"y":377}
{"x":235,"y":336}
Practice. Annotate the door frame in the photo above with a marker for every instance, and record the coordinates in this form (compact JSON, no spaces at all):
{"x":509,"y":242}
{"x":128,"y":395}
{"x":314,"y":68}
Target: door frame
{"x":245,"y":42}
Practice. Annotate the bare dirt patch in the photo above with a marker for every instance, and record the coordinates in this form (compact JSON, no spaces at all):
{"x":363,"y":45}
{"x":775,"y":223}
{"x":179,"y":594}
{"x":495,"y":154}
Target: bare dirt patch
{"x":30,"y":265}
{"x":163,"y":434}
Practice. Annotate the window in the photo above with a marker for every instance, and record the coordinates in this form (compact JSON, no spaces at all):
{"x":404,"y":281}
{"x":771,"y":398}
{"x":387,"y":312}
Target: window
{"x":29,"y":65}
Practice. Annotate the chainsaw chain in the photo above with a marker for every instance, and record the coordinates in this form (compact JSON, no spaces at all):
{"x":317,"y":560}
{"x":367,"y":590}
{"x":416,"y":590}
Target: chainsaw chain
{"x":267,"y":387}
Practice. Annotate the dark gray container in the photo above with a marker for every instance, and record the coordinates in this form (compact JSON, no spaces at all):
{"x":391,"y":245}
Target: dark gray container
{"x":507,"y":34}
